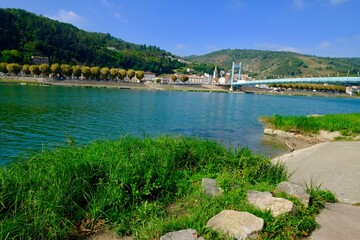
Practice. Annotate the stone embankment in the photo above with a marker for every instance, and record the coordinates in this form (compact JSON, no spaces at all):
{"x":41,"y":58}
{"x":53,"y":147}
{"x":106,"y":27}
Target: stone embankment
{"x":235,"y":224}
{"x":244,"y":225}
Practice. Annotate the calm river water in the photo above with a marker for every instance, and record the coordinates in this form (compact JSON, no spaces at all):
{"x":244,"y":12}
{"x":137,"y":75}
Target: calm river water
{"x":34,"y":118}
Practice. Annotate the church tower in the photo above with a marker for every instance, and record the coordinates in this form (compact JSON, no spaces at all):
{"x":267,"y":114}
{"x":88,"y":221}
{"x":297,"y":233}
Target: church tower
{"x":215,"y":74}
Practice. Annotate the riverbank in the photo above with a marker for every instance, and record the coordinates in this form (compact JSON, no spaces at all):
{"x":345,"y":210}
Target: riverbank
{"x":163,"y":87}
{"x":142,"y":188}
{"x":299,"y":132}
{"x":111,"y":84}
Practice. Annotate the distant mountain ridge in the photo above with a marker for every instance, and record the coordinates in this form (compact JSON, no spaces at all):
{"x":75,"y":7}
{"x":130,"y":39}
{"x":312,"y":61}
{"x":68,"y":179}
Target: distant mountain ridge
{"x":30,"y":34}
{"x":272,"y":64}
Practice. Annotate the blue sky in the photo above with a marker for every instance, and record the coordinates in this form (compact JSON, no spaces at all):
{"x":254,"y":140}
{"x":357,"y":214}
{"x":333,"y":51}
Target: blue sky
{"x":185,"y":27}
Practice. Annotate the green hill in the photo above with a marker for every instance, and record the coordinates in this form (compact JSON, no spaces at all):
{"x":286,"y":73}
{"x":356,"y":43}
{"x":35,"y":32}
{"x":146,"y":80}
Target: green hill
{"x":28,"y":34}
{"x":272,"y":64}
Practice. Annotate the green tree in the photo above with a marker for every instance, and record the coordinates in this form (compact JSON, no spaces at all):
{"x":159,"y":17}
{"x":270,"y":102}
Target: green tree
{"x":104,"y":73}
{"x":55,"y":69}
{"x":13,"y":68}
{"x":86,"y":72}
{"x":45,"y":69}
{"x":130,"y":73}
{"x":184,"y":78}
{"x":66,"y":70}
{"x":174,"y":78}
{"x":113,"y":73}
{"x":34,"y":69}
{"x":26,"y":69}
{"x":3,"y":67}
{"x":95,"y":73}
{"x":140,"y":75}
{"x":77,"y":71}
{"x":11,"y":56}
{"x":122,"y":74}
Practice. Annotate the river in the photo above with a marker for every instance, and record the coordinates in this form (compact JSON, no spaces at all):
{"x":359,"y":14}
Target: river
{"x":34,"y":118}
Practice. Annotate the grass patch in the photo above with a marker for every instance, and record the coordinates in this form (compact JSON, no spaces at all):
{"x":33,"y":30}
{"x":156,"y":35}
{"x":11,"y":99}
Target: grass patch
{"x":139,"y":187}
{"x":347,"y":124}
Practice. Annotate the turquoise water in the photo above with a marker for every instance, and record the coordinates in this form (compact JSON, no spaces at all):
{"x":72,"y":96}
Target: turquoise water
{"x":34,"y":118}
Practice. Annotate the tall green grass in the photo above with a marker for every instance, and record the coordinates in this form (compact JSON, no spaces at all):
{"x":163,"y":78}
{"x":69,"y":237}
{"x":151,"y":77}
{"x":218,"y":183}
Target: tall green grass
{"x":347,"y":124}
{"x":139,"y":187}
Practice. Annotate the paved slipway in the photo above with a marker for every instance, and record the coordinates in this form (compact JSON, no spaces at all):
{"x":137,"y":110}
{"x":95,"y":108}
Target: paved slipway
{"x":336,"y":166}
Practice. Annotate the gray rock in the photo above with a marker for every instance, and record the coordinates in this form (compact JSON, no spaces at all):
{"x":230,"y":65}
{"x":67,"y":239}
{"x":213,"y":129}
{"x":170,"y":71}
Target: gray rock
{"x":268,"y":131}
{"x":240,"y":225}
{"x":295,"y":190}
{"x":282,"y":133}
{"x":265,"y":201}
{"x":188,"y":234}
{"x":210,"y":187}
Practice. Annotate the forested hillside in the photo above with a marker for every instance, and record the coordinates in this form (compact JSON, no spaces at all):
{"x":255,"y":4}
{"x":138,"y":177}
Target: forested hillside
{"x":24,"y":34}
{"x":272,"y":64}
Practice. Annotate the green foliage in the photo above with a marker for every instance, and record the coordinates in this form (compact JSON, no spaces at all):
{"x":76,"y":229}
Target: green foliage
{"x":184,"y":78}
{"x":318,"y":196}
{"x":28,"y":34}
{"x":104,"y":72}
{"x":174,"y":78}
{"x":130,"y":73}
{"x":13,"y":68}
{"x":76,"y":71}
{"x":86,"y":72}
{"x":26,"y":69}
{"x":11,"y":56}
{"x":349,"y":123}
{"x":122,"y":74}
{"x":95,"y":73}
{"x":271,"y":64}
{"x":139,"y":75}
{"x":3,"y":67}
{"x":55,"y":69}
{"x":66,"y":70}
{"x":113,"y":73}
{"x":35,"y":70}
{"x":317,"y":87}
{"x":136,"y":186}
{"x":45,"y":69}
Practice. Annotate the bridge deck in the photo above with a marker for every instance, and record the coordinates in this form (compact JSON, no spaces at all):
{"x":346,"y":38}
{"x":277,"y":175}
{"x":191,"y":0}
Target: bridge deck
{"x":348,"y":80}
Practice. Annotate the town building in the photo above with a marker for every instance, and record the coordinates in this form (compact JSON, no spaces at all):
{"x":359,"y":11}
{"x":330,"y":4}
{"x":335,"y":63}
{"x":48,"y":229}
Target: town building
{"x":39,"y":60}
{"x":149,"y":76}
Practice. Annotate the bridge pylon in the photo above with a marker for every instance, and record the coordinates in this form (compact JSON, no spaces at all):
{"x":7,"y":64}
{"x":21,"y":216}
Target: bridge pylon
{"x":235,"y":66}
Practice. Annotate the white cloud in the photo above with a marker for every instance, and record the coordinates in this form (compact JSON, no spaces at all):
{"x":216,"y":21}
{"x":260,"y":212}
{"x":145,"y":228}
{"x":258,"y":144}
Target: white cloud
{"x":299,"y":4}
{"x":68,"y":17}
{"x":120,"y":17}
{"x":337,"y":2}
{"x":324,"y":45}
{"x":277,"y":47}
{"x":180,"y":46}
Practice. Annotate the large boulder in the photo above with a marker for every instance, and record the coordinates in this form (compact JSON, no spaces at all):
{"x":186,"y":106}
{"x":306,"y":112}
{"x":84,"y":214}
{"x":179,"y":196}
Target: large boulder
{"x":294,"y":190}
{"x":240,"y":225}
{"x":265,"y":201}
{"x":210,"y":187}
{"x":188,"y":234}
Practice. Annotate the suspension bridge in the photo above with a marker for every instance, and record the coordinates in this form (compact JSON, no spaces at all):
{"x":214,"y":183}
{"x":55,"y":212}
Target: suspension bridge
{"x":334,"y":80}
